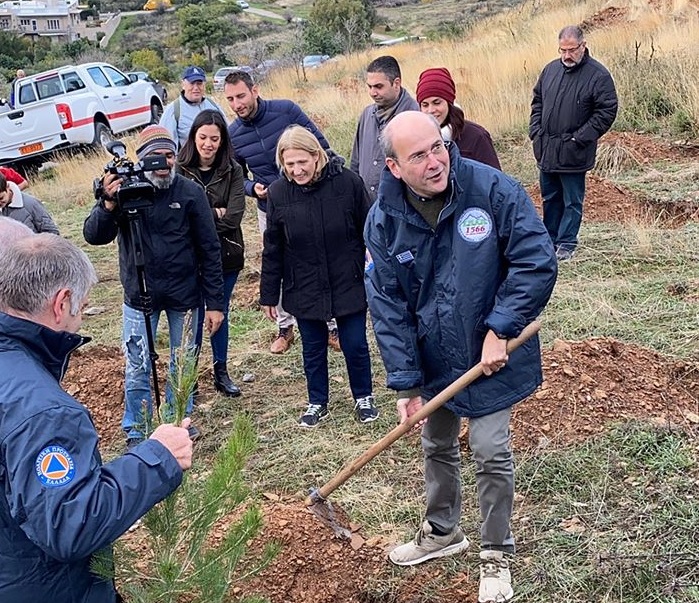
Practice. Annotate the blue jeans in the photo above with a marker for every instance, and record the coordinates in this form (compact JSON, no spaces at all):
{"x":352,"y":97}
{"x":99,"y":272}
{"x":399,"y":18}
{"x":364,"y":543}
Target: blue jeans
{"x":137,"y":386}
{"x":563,"y":196}
{"x":314,"y":342}
{"x":219,"y":340}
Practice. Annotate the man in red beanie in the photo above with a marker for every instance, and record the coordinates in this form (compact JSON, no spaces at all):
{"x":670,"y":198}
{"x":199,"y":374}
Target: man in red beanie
{"x":436,"y":93}
{"x":182,"y":258}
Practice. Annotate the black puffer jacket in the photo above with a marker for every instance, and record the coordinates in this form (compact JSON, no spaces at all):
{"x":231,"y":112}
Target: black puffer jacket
{"x":572,"y":107}
{"x":225,"y":189}
{"x":314,"y":246}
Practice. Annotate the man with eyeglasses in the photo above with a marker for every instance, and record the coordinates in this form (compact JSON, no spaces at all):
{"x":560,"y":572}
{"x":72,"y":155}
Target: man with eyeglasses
{"x":182,"y":264}
{"x":180,"y":114}
{"x":574,"y":104}
{"x":461,"y":264}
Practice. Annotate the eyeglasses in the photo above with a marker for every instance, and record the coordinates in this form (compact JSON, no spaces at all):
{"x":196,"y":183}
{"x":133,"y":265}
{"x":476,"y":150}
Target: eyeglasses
{"x":567,"y":50}
{"x":436,"y":149}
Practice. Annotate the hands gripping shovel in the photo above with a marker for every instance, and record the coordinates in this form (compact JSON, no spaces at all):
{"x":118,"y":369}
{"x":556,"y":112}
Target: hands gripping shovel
{"x":317,"y":500}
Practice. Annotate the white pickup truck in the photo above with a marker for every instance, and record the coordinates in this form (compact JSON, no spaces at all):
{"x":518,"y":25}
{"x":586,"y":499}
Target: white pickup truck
{"x":73,"y":105}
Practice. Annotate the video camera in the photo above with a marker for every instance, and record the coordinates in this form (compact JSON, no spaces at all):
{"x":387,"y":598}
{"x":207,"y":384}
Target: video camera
{"x":135,"y":191}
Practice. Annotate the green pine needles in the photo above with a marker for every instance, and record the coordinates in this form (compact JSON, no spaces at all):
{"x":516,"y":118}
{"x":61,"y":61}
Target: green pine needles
{"x":197,"y":536}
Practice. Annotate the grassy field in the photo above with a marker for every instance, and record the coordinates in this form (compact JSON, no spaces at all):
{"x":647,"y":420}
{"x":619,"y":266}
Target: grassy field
{"x":613,"y":519}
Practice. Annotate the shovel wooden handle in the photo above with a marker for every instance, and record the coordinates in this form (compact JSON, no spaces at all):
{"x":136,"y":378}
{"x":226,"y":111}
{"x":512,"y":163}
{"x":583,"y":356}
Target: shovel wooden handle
{"x":439,"y":400}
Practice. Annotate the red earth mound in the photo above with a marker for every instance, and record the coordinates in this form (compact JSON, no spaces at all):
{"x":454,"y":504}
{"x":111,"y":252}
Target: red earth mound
{"x":588,"y":385}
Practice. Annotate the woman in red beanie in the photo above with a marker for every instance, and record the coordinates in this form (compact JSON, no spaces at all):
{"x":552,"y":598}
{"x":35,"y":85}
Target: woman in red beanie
{"x":436,"y":93}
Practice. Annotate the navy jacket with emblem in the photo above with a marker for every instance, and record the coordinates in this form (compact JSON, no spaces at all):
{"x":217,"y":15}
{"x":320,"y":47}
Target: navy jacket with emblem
{"x":59,"y":503}
{"x":434,"y":294}
{"x":255,"y":141}
{"x":181,"y":248}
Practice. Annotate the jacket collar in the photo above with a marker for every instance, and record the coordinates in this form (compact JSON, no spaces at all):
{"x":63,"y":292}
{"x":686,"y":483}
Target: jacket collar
{"x":195,"y":172}
{"x":259,"y":114}
{"x":17,"y":200}
{"x":51,"y":348}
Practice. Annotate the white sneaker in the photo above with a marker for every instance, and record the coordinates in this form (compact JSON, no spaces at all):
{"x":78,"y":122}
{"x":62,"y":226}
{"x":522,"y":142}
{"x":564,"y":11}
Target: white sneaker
{"x":496,"y":582}
{"x":427,"y":545}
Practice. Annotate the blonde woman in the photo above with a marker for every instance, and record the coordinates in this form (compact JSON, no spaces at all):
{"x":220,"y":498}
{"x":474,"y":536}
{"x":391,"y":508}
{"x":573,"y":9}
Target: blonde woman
{"x":314,"y":249}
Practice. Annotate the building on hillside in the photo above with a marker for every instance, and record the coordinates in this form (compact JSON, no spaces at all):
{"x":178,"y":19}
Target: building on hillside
{"x":58,"y":20}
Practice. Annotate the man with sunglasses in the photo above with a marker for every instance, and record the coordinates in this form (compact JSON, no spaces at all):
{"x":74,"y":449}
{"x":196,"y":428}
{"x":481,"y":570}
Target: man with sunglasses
{"x":574,"y":103}
{"x":182,"y":265}
{"x":461,"y":263}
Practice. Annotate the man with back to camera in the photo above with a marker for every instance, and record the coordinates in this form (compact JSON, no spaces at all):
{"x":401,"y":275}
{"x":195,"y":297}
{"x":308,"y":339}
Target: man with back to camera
{"x":574,"y":103}
{"x":182,"y":258}
{"x":24,"y":208}
{"x":461,"y":264}
{"x":383,"y":79}
{"x":254,"y":135}
{"x":60,"y":505}
{"x":179,"y":115}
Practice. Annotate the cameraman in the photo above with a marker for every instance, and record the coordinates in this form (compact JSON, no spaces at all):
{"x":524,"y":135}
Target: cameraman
{"x":182,"y":266}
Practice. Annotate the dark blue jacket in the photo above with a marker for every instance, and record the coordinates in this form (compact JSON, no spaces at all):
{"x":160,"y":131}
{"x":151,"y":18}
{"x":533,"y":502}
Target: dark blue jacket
{"x":59,"y":504}
{"x":434,"y":294}
{"x":181,"y":248}
{"x":255,"y":140}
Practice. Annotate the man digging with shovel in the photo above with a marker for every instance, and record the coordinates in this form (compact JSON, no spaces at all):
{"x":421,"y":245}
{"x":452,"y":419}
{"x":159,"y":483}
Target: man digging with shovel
{"x":461,"y":264}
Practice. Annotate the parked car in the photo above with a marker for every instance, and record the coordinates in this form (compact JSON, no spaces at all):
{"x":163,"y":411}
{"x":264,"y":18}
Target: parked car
{"x":221,"y":74}
{"x":266,"y":66}
{"x":143,"y":75}
{"x":74,"y":105}
{"x":242,"y":4}
{"x":312,"y":61}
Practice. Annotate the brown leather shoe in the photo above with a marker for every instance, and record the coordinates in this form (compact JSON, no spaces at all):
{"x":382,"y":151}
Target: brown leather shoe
{"x":334,"y":340}
{"x":283,"y":341}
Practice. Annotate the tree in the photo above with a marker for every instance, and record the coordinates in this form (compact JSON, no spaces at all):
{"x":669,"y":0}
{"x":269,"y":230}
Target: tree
{"x":15,"y":52}
{"x":204,"y":28}
{"x":345,"y":22}
{"x":151,"y":61}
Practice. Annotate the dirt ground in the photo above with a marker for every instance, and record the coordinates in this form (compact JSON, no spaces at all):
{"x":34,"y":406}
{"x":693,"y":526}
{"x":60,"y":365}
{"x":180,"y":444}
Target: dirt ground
{"x":588,"y":385}
{"x":608,"y":202}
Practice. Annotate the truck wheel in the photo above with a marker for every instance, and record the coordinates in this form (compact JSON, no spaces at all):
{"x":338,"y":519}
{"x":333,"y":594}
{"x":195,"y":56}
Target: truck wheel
{"x":155,"y":112}
{"x":103,"y":135}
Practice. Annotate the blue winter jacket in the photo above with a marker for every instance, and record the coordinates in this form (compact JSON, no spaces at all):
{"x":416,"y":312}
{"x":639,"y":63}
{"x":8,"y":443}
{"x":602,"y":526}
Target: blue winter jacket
{"x":59,"y":504}
{"x":255,"y":140}
{"x":434,"y":294}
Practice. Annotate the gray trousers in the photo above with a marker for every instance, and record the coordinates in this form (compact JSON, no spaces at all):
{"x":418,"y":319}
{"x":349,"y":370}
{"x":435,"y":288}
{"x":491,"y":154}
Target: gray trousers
{"x":489,"y":440}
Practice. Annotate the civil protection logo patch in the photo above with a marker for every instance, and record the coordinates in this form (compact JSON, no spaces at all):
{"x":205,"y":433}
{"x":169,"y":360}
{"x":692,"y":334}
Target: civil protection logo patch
{"x":474,"y":225}
{"x":54,"y":467}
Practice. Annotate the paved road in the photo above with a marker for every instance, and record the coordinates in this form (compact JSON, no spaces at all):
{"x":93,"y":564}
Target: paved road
{"x":264,"y":13}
